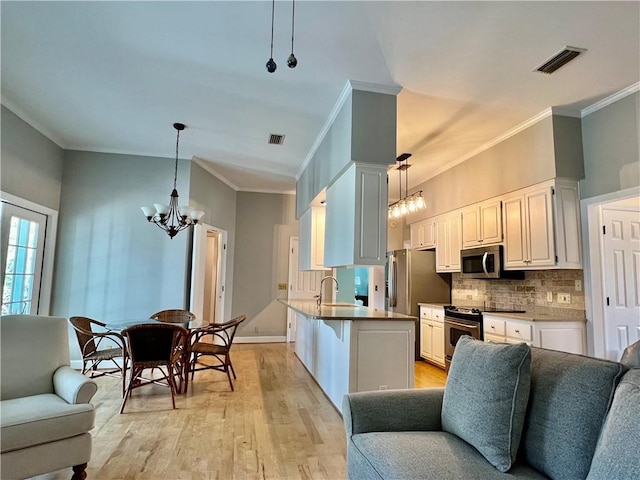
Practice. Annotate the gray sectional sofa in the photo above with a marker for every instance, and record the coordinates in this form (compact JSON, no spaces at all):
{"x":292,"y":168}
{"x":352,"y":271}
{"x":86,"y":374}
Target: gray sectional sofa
{"x":565,"y":417}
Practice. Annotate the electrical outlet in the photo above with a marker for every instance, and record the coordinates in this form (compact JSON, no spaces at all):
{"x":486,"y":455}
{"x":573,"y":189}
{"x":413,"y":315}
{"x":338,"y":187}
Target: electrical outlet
{"x":578,"y":285}
{"x":564,"y":298}
{"x":549,"y":297}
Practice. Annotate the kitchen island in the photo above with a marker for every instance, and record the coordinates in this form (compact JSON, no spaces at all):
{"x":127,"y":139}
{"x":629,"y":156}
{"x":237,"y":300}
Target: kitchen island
{"x":349,"y":348}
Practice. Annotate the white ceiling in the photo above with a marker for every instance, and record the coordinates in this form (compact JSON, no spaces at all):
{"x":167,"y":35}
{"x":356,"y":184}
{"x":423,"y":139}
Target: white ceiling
{"x":115,"y":76}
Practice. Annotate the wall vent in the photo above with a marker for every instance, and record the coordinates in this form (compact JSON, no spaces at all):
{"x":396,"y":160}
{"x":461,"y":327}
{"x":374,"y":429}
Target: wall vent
{"x":275,"y":139}
{"x":560,"y":59}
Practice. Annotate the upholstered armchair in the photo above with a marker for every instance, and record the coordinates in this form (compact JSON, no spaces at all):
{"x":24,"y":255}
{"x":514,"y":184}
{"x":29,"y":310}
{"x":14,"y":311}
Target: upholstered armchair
{"x":45,"y":414}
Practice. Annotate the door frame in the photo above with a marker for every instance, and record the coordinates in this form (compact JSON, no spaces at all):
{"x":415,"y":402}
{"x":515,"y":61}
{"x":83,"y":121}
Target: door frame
{"x":198,"y":270}
{"x":593,"y":251}
{"x":51,"y":229}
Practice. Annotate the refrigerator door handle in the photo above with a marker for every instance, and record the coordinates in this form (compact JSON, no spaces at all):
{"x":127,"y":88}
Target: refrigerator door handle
{"x":393,"y":297}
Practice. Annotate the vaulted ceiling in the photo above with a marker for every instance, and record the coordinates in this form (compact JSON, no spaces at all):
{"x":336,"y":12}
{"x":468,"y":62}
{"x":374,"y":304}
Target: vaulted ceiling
{"x":115,"y":76}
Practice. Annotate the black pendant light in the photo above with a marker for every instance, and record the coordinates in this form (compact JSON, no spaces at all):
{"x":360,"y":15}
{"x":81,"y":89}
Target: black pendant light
{"x":271,"y":65}
{"x":292,"y":61}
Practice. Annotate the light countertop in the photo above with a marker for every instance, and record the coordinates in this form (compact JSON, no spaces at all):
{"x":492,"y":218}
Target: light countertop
{"x":542,"y":316}
{"x":535,"y":313}
{"x":342,"y":311}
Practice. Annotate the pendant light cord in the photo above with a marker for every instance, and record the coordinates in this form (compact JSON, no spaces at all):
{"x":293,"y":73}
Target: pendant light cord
{"x":273,"y":7}
{"x":293,"y":15}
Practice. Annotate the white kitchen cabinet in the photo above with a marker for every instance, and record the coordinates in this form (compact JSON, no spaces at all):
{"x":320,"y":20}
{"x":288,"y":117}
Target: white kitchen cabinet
{"x":565,"y":336}
{"x":448,"y":242}
{"x":542,"y":227}
{"x":432,"y":334}
{"x":423,"y":234}
{"x":311,"y":239}
{"x":356,"y":217}
{"x":482,"y":224}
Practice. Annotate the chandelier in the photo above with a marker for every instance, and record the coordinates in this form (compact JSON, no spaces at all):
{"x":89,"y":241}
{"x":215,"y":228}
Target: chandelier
{"x":173,"y":218}
{"x":408,"y":203}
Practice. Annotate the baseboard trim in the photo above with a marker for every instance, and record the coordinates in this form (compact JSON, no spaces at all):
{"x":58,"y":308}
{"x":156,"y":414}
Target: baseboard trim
{"x":272,"y":339}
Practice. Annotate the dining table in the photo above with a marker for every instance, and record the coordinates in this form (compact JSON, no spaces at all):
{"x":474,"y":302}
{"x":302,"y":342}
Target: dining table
{"x":122,"y":324}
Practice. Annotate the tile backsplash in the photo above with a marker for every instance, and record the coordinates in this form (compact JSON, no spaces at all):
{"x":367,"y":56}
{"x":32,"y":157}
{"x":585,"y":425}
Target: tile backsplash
{"x":532,"y":292}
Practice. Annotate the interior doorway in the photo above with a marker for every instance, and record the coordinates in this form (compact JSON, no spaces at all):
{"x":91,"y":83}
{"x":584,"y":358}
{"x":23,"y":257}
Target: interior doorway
{"x":614,"y":273}
{"x":302,"y":285}
{"x":209,"y":261}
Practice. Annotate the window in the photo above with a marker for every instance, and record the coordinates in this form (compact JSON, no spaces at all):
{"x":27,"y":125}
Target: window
{"x":23,"y":250}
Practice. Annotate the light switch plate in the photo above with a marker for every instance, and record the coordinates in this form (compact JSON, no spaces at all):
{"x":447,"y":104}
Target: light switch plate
{"x":549,"y":297}
{"x":564,"y":298}
{"x":578,"y":285}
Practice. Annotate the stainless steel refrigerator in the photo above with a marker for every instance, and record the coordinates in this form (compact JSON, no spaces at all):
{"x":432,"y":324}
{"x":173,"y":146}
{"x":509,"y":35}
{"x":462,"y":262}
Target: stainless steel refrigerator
{"x":411,"y":278}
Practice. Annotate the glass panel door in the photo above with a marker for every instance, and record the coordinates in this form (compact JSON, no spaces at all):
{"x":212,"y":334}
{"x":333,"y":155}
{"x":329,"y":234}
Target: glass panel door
{"x":22,"y":237}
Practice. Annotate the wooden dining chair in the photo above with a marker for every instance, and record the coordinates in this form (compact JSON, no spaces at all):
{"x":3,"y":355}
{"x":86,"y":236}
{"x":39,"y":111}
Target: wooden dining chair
{"x":174,"y":316}
{"x":183,"y":318}
{"x":154,"y":346}
{"x":214,"y":342}
{"x":98,"y":346}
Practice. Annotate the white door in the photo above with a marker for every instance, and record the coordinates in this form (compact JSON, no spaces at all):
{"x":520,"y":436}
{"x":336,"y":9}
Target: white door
{"x":621,"y":267}
{"x":302,"y":285}
{"x":23,"y":246}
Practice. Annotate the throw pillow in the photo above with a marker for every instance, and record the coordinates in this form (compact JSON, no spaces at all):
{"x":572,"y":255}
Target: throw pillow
{"x":616,"y":455}
{"x":486,"y":396}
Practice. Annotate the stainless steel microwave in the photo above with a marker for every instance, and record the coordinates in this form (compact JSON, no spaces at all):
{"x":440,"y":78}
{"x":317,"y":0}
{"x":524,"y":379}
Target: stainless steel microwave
{"x":485,"y":262}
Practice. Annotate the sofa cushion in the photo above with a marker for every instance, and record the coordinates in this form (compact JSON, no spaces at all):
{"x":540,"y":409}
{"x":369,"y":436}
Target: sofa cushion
{"x":41,"y":419}
{"x":423,"y":455}
{"x":486,"y":396}
{"x":616,"y":454}
{"x":569,"y":398}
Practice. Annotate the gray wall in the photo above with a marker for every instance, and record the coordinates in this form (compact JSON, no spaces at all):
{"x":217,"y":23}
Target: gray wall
{"x":31,"y":163}
{"x":264,"y":224}
{"x":218,"y":201}
{"x":110,"y":262}
{"x":526,"y":158}
{"x":611,"y":152}
{"x":363,"y":131}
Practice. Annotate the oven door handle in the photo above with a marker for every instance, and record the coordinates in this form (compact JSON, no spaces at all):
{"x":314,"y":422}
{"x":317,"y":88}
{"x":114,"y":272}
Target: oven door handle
{"x":461,"y":325}
{"x":484,"y":263}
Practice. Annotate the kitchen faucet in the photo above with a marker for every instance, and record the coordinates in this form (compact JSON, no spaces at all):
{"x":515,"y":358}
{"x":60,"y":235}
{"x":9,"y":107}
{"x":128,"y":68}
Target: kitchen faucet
{"x":322,"y":283}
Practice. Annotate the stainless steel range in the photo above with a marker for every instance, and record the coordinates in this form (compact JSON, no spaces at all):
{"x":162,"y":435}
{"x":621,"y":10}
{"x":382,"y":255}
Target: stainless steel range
{"x":459,"y":321}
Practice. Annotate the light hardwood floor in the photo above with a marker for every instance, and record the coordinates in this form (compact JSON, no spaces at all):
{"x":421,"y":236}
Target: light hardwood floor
{"x":276,"y":425}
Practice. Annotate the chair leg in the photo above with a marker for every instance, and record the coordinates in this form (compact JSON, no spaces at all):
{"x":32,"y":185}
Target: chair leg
{"x":79,"y":472}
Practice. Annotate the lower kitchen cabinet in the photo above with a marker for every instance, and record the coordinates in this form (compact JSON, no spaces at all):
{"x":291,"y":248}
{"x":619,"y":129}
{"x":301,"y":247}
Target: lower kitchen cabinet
{"x":562,"y":335}
{"x":356,"y":355}
{"x":432,"y":335}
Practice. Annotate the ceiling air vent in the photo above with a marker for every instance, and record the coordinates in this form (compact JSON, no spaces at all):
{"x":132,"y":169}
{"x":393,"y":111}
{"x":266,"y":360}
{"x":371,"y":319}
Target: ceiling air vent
{"x":559,"y":59}
{"x":275,"y":139}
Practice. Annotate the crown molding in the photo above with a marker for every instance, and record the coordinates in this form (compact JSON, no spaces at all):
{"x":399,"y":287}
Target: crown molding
{"x":375,"y":87}
{"x":210,"y":169}
{"x":610,"y":99}
{"x":350,"y":86}
{"x":20,"y":113}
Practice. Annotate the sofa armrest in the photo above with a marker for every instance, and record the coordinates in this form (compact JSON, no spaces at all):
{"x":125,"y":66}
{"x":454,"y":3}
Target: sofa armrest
{"x":72,"y":386}
{"x":393,"y":411}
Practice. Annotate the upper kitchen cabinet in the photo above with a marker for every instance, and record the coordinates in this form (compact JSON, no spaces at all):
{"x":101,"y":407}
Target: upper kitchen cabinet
{"x":311,"y":243}
{"x":423,"y":234}
{"x":542,"y":227}
{"x":448,"y":242}
{"x":482,"y":224}
{"x":356,"y":217}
